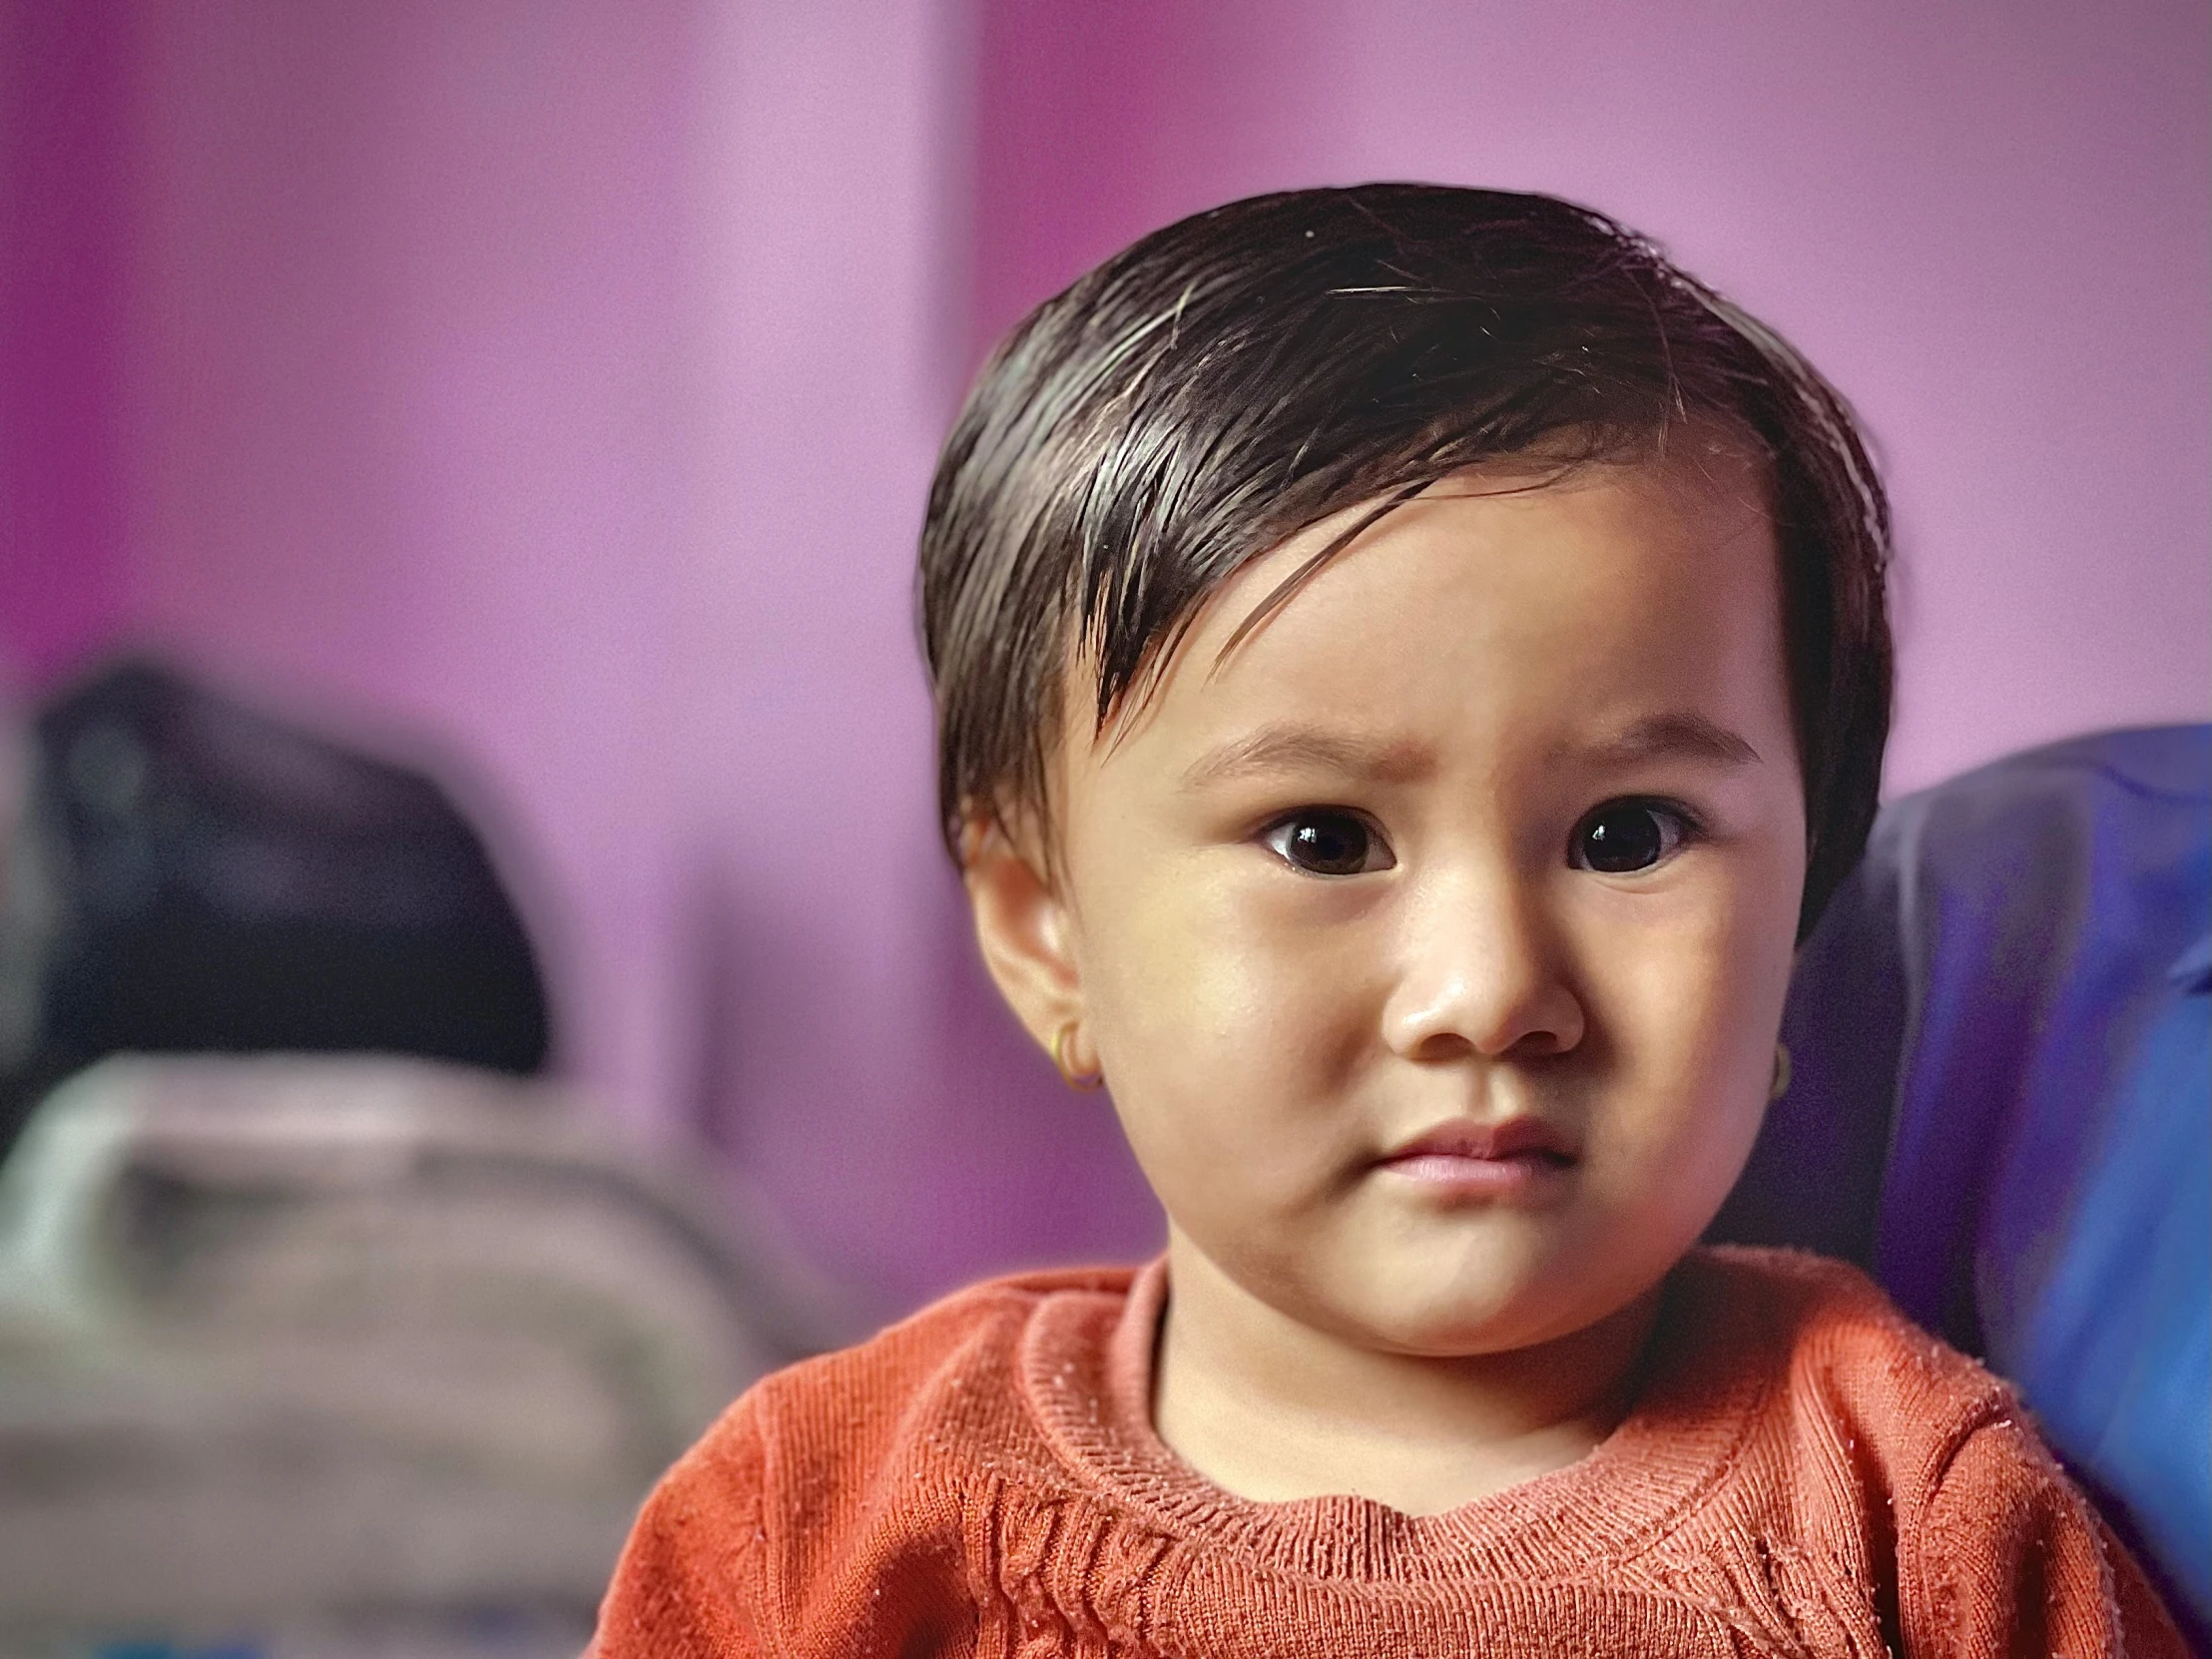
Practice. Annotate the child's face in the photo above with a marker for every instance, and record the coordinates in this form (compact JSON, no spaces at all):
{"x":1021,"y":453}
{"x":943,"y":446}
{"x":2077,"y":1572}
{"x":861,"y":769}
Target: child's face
{"x":1497,"y":823}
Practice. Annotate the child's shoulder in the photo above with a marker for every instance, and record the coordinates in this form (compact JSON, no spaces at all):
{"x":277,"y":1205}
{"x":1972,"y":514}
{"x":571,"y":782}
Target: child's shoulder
{"x":1866,"y":1437}
{"x":870,"y":1459}
{"x":1829,"y":1342}
{"x":1823,"y":1312}
{"x":948,"y":1378}
{"x":973,"y":1334}
{"x":1843,"y":1410}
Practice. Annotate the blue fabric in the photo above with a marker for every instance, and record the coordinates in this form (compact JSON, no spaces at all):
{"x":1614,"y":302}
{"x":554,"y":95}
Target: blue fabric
{"x":2002,"y":1036}
{"x":2111,"y":1341}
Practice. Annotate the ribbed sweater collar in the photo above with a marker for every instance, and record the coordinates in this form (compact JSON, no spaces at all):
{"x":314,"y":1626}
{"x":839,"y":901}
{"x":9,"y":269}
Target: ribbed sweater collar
{"x":1086,"y":1373}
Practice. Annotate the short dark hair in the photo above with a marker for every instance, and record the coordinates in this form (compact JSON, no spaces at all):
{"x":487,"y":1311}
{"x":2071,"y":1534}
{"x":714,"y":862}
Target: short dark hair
{"x":1239,"y":376}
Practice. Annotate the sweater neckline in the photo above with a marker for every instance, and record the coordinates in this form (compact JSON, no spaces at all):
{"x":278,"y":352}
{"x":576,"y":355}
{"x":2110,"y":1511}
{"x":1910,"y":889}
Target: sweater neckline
{"x":1086,"y":1369}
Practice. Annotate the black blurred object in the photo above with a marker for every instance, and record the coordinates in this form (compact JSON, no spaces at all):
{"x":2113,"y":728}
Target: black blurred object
{"x":193,"y":876}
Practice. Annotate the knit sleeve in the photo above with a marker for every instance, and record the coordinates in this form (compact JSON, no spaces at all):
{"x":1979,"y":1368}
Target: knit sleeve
{"x":690,"y":1582}
{"x":2008,"y":1557}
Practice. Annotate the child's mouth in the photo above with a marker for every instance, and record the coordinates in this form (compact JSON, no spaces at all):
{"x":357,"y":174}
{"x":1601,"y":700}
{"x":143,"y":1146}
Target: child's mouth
{"x":1521,"y":1158}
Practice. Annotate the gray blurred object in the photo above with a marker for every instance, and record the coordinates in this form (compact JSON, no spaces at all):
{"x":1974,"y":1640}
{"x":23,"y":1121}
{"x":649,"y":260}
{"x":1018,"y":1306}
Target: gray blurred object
{"x":331,"y":1344}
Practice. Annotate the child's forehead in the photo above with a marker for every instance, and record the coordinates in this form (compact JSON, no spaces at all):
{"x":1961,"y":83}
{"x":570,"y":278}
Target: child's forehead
{"x":1658,"y":505}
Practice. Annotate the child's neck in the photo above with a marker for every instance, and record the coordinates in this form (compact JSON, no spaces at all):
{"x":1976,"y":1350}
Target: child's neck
{"x":1275,"y":1410}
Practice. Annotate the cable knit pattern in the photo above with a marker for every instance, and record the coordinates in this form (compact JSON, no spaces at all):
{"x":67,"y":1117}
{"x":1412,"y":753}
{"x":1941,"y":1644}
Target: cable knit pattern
{"x":1806,"y":1474}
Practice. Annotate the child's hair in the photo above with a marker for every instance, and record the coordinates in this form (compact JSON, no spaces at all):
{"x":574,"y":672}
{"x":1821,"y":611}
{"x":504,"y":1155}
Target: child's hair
{"x":1234,"y":378}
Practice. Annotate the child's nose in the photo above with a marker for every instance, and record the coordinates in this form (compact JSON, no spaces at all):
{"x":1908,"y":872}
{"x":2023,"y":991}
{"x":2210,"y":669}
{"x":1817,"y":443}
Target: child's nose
{"x":1479,"y":973}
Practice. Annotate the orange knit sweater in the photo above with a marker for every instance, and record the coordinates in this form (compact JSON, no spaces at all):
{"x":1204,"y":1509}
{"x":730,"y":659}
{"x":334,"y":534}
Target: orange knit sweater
{"x":1805,"y":1473}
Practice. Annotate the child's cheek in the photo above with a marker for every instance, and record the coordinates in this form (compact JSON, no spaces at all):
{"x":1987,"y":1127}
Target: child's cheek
{"x":1227,"y":1029}
{"x":1688,"y":1012}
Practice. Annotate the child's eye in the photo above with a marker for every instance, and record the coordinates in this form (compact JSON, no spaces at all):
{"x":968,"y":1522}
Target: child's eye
{"x":1327,"y":840}
{"x":1623,"y":837}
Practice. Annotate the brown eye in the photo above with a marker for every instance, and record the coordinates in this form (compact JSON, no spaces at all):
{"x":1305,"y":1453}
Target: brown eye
{"x":1625,"y":836}
{"x":1328,"y":841}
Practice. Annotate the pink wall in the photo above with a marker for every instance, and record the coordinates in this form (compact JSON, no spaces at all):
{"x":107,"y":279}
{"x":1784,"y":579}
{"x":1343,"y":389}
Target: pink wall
{"x":558,"y":383}
{"x":64,"y":238}
{"x":413,"y":397}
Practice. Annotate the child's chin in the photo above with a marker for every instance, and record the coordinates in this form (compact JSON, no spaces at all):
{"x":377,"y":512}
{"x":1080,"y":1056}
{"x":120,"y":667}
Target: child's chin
{"x":1489,"y":1319}
{"x":1459,"y":1305}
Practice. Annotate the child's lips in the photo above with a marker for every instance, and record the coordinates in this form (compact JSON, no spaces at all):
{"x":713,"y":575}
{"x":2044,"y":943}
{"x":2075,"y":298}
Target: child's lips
{"x":1520,"y":1158}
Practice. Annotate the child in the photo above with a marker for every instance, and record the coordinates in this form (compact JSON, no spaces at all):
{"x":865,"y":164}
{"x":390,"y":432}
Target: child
{"x":1410,"y":664}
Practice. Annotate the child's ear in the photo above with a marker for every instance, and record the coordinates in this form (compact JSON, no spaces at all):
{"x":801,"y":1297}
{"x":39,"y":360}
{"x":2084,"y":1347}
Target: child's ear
{"x":1023,"y":928}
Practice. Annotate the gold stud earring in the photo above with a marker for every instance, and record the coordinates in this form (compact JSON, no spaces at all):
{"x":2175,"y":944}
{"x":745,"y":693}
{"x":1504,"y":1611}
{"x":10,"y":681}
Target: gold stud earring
{"x":1068,"y":1074}
{"x":1781,"y":1084}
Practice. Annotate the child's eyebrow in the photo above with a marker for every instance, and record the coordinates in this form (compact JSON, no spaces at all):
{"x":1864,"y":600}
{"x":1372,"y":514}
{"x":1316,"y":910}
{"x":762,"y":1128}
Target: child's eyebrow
{"x":1660,"y":737}
{"x":1285,"y":747}
{"x":1282,"y":745}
